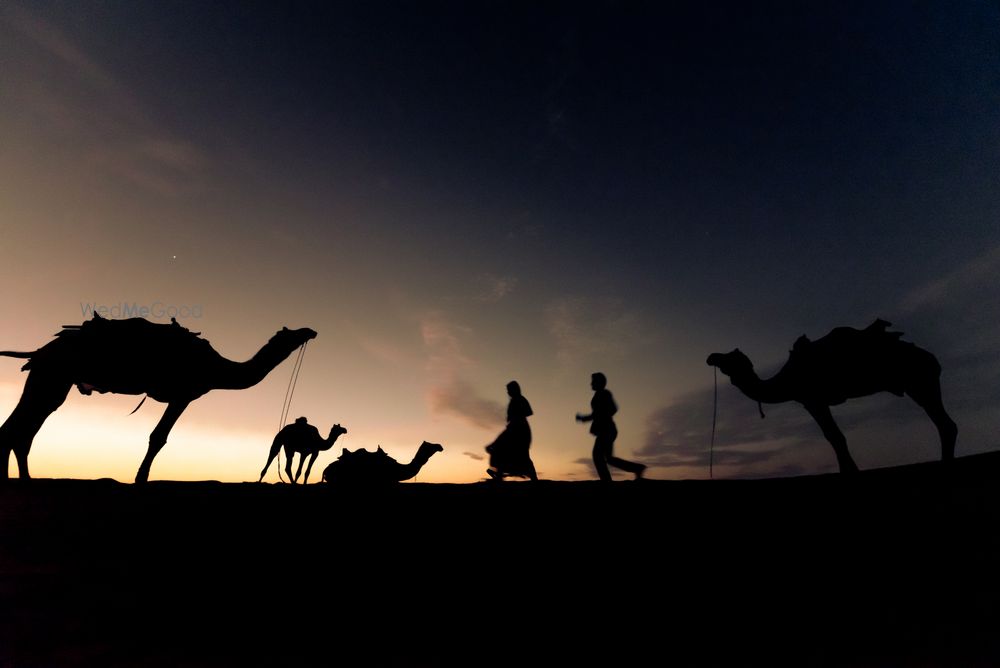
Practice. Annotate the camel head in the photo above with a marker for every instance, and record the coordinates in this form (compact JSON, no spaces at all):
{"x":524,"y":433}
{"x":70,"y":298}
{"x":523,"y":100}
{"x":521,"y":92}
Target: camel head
{"x":429,"y":448}
{"x":293,"y":338}
{"x":337,"y":431}
{"x":734,"y":364}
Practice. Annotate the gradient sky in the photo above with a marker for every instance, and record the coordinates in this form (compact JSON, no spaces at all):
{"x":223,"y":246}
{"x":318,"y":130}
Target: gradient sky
{"x":455,"y":195}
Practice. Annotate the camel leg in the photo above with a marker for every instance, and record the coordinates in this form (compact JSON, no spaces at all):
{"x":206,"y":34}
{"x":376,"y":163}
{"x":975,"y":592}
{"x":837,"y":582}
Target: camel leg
{"x":930,"y":400}
{"x":275,"y":448}
{"x":289,"y":453}
{"x":833,"y":434}
{"x":312,"y":458}
{"x":158,"y":438}
{"x":42,"y":394}
{"x":302,"y":460}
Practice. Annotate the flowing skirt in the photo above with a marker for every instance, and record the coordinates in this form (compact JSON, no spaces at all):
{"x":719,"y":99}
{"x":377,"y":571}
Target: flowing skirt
{"x":509,"y":452}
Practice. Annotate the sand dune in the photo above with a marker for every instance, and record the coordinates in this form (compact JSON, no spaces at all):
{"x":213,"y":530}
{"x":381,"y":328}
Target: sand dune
{"x":896,"y":567}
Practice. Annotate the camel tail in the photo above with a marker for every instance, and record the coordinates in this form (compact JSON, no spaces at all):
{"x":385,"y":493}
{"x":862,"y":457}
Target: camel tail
{"x":20,"y":356}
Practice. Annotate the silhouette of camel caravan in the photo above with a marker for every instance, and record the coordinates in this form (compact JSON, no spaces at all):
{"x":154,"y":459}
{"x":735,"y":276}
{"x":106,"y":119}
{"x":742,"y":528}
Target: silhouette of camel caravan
{"x":168,"y":363}
{"x":845,"y":364}
{"x":363,"y":468}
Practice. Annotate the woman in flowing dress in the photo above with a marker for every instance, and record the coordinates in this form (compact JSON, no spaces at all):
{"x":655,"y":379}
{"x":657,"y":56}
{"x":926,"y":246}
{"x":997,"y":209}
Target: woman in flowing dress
{"x":509,"y":452}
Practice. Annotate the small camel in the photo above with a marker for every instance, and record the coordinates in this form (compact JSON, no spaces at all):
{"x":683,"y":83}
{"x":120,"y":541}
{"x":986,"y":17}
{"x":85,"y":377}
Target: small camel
{"x":845,"y":364}
{"x":303,"y":438}
{"x":167,"y":363}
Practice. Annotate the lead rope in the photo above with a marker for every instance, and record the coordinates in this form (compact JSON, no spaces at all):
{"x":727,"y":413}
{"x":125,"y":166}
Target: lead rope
{"x":715,"y":413}
{"x":289,"y":393}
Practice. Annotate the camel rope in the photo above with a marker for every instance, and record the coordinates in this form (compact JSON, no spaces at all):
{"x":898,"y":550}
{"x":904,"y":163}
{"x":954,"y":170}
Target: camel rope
{"x":715,"y":413}
{"x":289,"y":393}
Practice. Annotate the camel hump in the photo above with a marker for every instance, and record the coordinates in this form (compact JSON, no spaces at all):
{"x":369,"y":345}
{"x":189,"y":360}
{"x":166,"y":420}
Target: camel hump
{"x":880,"y":327}
{"x":129,"y":332}
{"x":367,"y":457}
{"x":880,"y":330}
{"x":842,"y":342}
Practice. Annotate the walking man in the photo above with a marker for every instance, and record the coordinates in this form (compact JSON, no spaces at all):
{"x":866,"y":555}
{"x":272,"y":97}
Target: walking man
{"x":602,"y":426}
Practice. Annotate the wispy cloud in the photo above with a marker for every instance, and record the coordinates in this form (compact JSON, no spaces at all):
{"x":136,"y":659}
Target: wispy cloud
{"x":474,"y":455}
{"x":57,"y":45}
{"x":956,"y":317}
{"x":978,"y":274}
{"x":494,"y":288}
{"x":680,"y":435}
{"x":449,"y":392}
{"x":441,"y":340}
{"x":585,"y":329}
{"x":460,"y":398}
{"x":98,"y":118}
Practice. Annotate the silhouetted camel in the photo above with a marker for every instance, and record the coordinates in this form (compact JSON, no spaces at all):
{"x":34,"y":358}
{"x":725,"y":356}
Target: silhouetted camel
{"x":845,"y":364}
{"x":362,"y":467}
{"x":131,"y":356}
{"x":303,"y":438}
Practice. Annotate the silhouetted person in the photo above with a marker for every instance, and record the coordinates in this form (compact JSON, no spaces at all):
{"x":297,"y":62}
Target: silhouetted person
{"x":602,"y":426}
{"x":303,"y":438}
{"x":509,"y":452}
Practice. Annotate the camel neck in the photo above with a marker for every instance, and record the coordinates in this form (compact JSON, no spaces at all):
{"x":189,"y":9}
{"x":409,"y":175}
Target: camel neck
{"x":413,"y":468}
{"x":241,"y":375}
{"x":770,"y":391}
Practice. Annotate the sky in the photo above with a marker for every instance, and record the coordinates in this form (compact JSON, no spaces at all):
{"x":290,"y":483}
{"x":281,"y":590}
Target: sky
{"x":455,"y":195}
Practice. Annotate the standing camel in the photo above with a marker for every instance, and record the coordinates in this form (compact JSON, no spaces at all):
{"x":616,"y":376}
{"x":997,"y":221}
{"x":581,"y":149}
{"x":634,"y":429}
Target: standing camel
{"x":303,"y":438}
{"x":845,"y":364}
{"x":132,"y":356}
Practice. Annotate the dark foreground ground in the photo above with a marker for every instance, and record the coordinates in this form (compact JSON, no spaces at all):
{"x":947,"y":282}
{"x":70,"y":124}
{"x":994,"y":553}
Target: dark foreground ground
{"x":895,"y":568}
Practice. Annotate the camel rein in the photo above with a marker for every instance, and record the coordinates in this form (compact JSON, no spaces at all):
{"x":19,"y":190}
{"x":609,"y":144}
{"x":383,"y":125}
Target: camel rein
{"x":715,"y":414}
{"x":289,"y":393}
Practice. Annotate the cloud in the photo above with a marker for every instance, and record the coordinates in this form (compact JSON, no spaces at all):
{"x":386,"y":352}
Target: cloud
{"x":494,"y":288}
{"x":591,"y":329}
{"x":449,"y":392}
{"x":83,"y":107}
{"x":57,"y":45}
{"x":458,"y":397}
{"x":476,"y":456}
{"x":975,"y":277}
{"x":165,"y":166}
{"x":384,"y":351}
{"x":441,"y":340}
{"x":956,"y":317}
{"x":680,"y":435}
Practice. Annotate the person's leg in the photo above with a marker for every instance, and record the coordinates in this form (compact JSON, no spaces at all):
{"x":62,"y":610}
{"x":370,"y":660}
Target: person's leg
{"x":602,"y":449}
{"x":624,"y":464}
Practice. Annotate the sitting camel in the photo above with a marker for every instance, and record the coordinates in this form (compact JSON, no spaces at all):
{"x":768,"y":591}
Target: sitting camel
{"x":845,"y":364}
{"x":303,"y":438}
{"x":363,"y":468}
